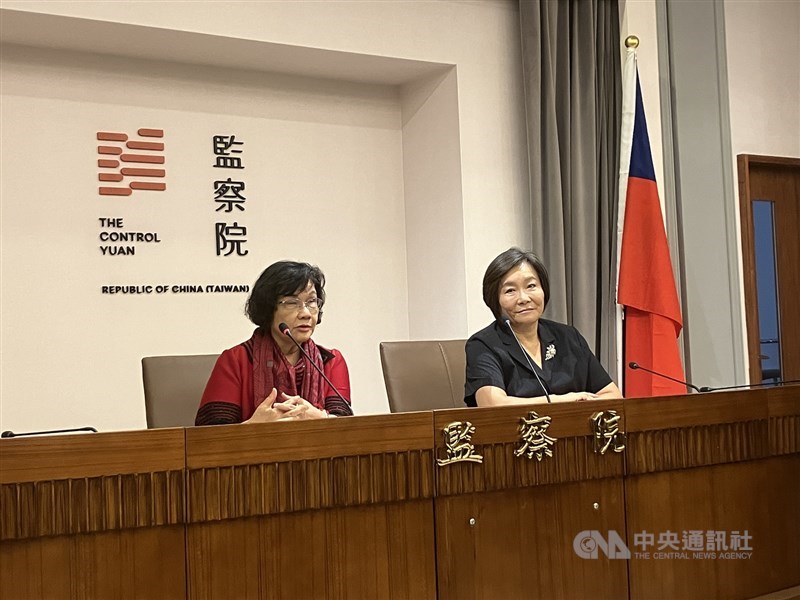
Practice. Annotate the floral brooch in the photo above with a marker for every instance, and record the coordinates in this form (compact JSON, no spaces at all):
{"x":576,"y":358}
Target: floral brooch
{"x":550,"y":352}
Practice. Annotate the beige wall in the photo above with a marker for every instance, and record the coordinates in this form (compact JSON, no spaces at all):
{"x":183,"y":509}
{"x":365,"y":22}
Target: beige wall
{"x":638,"y":17}
{"x":481,"y":38}
{"x":331,"y":156}
{"x":763,"y":51}
{"x":75,"y":350}
{"x":67,"y":360}
{"x":747,"y":53}
{"x":763,"y":43}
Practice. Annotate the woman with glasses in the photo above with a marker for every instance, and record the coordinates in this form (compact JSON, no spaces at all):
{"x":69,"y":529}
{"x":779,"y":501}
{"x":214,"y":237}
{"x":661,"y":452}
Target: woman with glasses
{"x":521,"y":357}
{"x":268,"y":378}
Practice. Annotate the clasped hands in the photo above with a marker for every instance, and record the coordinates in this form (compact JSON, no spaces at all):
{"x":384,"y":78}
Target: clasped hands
{"x":573,"y":397}
{"x":288,"y":408}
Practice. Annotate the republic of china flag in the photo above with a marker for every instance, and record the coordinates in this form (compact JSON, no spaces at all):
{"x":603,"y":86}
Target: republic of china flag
{"x":646,"y":285}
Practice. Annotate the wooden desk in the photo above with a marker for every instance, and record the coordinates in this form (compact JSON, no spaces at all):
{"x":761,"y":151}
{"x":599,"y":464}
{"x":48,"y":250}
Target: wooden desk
{"x":359,"y":508}
{"x":720,"y":462}
{"x":319,"y":509}
{"x":505,"y":528}
{"x":93,"y":516}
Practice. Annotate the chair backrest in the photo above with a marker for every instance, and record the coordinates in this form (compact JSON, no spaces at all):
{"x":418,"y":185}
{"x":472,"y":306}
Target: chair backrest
{"x":173,"y":386}
{"x":424,"y":375}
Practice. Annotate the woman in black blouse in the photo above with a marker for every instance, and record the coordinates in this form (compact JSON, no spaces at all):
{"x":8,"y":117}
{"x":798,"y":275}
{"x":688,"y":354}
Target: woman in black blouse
{"x":522,"y":358}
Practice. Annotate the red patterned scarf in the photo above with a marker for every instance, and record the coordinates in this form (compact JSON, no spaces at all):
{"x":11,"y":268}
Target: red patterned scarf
{"x":271,"y":369}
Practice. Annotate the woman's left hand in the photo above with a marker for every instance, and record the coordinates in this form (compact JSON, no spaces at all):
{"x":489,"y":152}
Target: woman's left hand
{"x":302,"y":409}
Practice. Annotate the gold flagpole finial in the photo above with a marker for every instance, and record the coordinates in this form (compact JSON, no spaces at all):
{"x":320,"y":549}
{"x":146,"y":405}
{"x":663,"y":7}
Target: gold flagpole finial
{"x":632,"y":42}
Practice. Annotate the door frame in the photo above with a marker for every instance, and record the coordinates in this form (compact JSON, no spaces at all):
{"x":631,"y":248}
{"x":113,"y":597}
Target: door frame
{"x":744,"y":162}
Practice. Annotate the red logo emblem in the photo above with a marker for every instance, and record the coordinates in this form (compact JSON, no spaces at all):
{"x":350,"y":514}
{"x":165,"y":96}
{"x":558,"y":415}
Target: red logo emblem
{"x":118,"y":165}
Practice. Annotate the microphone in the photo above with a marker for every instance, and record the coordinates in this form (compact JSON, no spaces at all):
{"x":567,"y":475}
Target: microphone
{"x":636,"y":366}
{"x":507,"y":321}
{"x":705,"y":388}
{"x":284,"y":329}
{"x":10,"y":434}
{"x":748,"y":385}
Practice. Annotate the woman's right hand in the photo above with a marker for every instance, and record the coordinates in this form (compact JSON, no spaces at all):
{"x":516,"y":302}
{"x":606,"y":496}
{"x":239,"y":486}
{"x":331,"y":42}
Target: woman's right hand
{"x":269,"y":411}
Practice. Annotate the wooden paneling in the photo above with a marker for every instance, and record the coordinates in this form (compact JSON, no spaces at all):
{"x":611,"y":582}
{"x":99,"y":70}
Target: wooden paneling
{"x":91,"y":455}
{"x":334,"y":509}
{"x":36,"y":569}
{"x":643,"y":414}
{"x":253,"y":444}
{"x":497,"y":436}
{"x":358,"y":508}
{"x":139,"y":564}
{"x":682,"y":432}
{"x":128,"y":487}
{"x":783,"y":401}
{"x":784,"y":435}
{"x":784,"y":420}
{"x":94,"y":482}
{"x":756,"y":496}
{"x":381,"y":551}
{"x":686,"y":447}
{"x":521,"y":543}
{"x":573,"y":460}
{"x":501,"y":424}
{"x":67,"y":506}
{"x":277,"y":487}
{"x":294,"y":466}
{"x":779,"y":492}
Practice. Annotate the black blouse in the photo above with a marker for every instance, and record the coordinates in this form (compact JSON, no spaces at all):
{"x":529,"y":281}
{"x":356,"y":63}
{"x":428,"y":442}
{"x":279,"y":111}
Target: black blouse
{"x":568,"y":365}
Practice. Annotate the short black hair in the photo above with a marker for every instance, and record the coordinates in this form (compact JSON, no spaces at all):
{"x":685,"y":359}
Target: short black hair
{"x":283,"y":278}
{"x":499,"y":268}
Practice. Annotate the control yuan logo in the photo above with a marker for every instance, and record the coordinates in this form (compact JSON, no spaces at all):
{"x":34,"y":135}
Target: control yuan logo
{"x":127,"y":164}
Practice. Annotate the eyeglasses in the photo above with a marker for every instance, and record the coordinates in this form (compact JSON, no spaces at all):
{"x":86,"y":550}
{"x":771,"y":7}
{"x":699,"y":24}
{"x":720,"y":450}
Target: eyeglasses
{"x":312,"y":304}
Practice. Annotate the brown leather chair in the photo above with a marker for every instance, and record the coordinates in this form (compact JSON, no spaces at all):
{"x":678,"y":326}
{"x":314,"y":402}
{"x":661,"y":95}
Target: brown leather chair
{"x":424,"y":375}
{"x":173,"y":386}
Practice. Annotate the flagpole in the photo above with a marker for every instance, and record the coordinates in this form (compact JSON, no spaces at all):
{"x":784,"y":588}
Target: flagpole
{"x":626,"y":143}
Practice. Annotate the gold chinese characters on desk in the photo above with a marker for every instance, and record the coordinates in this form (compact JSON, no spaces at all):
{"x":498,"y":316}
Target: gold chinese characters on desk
{"x":607,"y":436}
{"x":534,"y":442}
{"x":458,"y":444}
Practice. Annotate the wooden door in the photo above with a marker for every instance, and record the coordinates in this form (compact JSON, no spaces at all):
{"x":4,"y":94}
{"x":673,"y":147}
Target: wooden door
{"x":508,"y":527}
{"x":776,"y":181}
{"x":520,"y":543}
